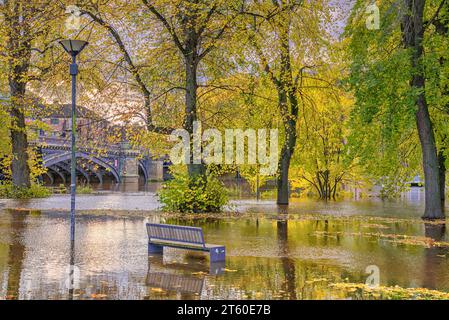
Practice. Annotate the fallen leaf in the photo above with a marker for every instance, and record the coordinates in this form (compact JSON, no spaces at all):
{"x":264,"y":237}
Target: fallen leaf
{"x":98,"y":296}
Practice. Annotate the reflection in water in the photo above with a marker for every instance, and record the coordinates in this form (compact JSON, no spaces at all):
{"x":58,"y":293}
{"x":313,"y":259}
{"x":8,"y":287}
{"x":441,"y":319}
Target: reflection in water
{"x":185,"y":278}
{"x":186,"y":285}
{"x":434,"y":256}
{"x":173,"y":278}
{"x":16,"y":253}
{"x":72,"y":271}
{"x":193,"y":265}
{"x":268,"y":258}
{"x":288,"y":264}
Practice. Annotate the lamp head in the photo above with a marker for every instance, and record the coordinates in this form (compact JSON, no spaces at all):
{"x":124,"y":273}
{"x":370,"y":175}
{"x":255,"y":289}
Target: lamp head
{"x":73,"y":47}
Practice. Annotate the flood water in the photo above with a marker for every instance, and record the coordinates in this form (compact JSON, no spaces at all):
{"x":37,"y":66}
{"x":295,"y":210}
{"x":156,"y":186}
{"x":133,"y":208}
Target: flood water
{"x":269,"y":256}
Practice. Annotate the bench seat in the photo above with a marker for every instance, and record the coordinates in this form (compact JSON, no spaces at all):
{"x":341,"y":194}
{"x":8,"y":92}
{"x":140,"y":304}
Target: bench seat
{"x":181,"y":245}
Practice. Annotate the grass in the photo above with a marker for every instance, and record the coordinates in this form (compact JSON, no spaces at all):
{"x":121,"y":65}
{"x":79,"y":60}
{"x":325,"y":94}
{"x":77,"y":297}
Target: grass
{"x":84,"y":190}
{"x":61,"y":189}
{"x":9,"y":191}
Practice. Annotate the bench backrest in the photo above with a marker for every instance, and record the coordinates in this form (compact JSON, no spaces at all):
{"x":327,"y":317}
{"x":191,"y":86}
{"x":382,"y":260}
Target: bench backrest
{"x":182,"y":234}
{"x":175,"y":282}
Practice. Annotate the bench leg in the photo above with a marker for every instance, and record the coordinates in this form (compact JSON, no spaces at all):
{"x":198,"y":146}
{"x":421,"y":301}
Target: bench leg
{"x":154,"y":248}
{"x":217,"y":268}
{"x":217,"y":254}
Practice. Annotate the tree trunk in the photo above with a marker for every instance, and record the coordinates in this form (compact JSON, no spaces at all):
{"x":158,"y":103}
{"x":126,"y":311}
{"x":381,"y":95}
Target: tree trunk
{"x":191,"y":59}
{"x":334,"y":190}
{"x":323,"y":182}
{"x":289,"y":109}
{"x":442,"y":168}
{"x":443,"y":29}
{"x":283,"y":188}
{"x":283,"y":192}
{"x":433,"y":209}
{"x":19,"y":165}
{"x":413,"y":32}
{"x":191,"y":92}
{"x":19,"y":54}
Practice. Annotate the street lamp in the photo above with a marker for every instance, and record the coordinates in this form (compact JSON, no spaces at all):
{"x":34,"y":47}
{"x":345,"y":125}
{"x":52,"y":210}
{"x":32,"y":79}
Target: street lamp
{"x":73,"y":47}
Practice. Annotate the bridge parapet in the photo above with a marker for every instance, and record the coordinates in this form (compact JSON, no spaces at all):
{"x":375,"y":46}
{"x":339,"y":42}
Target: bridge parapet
{"x":122,"y":163}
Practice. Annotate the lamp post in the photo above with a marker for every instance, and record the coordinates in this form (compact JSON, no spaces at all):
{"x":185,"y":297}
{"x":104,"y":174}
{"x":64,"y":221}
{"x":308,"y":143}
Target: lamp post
{"x":73,"y":47}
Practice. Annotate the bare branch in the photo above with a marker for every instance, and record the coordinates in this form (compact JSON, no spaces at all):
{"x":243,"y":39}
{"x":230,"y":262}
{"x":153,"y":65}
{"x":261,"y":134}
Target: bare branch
{"x":167,"y":26}
{"x":134,"y":71}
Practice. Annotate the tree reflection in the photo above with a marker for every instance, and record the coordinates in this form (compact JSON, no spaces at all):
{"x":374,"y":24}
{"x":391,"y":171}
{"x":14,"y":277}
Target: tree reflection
{"x":434,"y":265}
{"x":16,"y":253}
{"x":288,"y":264}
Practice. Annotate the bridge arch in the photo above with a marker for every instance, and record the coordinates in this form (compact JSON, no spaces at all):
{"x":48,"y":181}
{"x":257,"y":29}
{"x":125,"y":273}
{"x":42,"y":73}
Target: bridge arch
{"x":57,"y":158}
{"x":144,"y":170}
{"x":50,"y":176}
{"x":53,"y":170}
{"x":66,"y":168}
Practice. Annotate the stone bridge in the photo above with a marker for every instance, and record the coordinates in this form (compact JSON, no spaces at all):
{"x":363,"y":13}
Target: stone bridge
{"x":117,"y":163}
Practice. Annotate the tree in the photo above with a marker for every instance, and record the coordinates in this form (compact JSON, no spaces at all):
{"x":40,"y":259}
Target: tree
{"x":194,"y":29}
{"x":288,"y":54}
{"x":321,"y":161}
{"x":437,"y":87}
{"x":389,"y":81}
{"x":25,"y":29}
{"x":413,"y":32}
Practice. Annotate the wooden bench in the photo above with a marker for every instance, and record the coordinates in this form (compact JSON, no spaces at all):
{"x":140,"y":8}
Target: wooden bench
{"x":181,"y":237}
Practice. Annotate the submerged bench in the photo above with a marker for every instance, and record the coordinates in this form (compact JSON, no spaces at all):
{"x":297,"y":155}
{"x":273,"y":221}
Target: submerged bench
{"x":181,"y":237}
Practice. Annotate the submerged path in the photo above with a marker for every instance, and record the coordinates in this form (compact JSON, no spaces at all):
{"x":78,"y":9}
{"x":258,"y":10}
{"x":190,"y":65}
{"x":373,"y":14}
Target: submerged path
{"x":409,"y":206}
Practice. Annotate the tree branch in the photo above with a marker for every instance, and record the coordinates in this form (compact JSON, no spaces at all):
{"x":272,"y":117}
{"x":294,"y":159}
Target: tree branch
{"x":435,"y":16}
{"x":167,"y":26}
{"x":134,"y":71}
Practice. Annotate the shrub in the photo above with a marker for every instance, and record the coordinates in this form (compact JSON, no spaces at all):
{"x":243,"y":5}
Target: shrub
{"x":199,"y":194}
{"x":84,"y":190}
{"x":61,"y":189}
{"x":9,"y":191}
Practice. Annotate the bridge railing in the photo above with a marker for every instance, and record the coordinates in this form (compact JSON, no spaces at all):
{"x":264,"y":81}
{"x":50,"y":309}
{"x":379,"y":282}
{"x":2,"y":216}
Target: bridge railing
{"x":57,"y":141}
{"x":84,"y":145}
